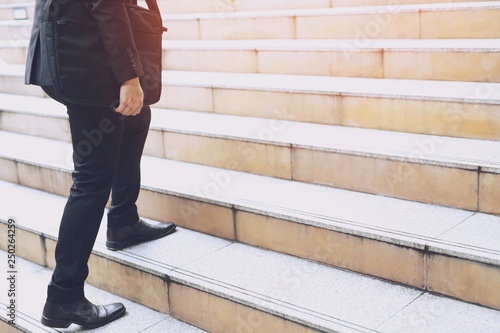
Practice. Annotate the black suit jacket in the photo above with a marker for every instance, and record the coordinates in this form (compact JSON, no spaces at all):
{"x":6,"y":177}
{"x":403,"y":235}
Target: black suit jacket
{"x":114,"y":27}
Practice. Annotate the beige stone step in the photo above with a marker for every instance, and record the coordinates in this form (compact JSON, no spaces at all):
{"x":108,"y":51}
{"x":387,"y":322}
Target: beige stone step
{"x":13,"y":51}
{"x":421,"y":21}
{"x":15,"y":29}
{"x":424,"y":246}
{"x":450,"y":60}
{"x":222,"y":6}
{"x":348,"y":3}
{"x":32,"y":279}
{"x":456,"y":109}
{"x":440,"y":170}
{"x":18,"y":10}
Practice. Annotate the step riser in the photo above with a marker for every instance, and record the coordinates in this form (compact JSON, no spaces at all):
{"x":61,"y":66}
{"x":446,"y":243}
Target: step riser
{"x":206,"y":311}
{"x":482,"y":23}
{"x":34,"y":125}
{"x":414,"y":25}
{"x":448,"y":186}
{"x":379,"y":63}
{"x":181,"y":301}
{"x":394,"y":25}
{"x":448,"y":66}
{"x":15,"y":85}
{"x":19,"y":31}
{"x":419,"y":268}
{"x":222,"y":6}
{"x":351,"y":3}
{"x":7,"y":328}
{"x":13,"y":55}
{"x":8,"y":13}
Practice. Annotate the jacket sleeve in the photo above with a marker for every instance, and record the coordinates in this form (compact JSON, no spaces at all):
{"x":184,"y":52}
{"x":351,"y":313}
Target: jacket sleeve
{"x":114,"y":27}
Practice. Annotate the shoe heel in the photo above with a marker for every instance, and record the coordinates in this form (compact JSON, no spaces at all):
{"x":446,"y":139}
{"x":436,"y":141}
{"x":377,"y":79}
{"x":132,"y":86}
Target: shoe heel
{"x":116,"y":246}
{"x":55,"y":323}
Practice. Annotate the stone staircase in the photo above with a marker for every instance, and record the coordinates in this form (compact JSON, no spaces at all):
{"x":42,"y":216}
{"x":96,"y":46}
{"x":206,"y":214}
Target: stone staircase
{"x":334,"y":166}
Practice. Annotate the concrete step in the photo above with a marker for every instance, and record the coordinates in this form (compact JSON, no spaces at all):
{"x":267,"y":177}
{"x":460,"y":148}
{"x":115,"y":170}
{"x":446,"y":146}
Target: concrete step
{"x":18,"y":10}
{"x":415,"y":21}
{"x":455,"y":109}
{"x":15,"y":29}
{"x":420,"y":245}
{"x":420,"y":21}
{"x":449,"y":60}
{"x":223,"y":286}
{"x":31,"y":282}
{"x":222,"y":6}
{"x":13,"y":51}
{"x":454,"y":172}
{"x":475,"y":60}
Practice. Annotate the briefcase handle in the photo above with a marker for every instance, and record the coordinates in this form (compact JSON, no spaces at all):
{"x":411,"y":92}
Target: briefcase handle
{"x":153,"y":5}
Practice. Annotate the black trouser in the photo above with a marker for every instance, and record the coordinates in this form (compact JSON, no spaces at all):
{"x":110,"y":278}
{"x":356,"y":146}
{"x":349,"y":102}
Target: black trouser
{"x":107,"y":150}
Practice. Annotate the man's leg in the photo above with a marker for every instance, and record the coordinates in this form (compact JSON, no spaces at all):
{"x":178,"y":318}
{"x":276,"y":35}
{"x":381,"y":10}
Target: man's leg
{"x":127,"y":178}
{"x":124,"y":226}
{"x":96,"y":135}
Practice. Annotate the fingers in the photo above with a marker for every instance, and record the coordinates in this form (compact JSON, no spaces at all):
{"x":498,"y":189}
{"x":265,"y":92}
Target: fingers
{"x":129,"y":109}
{"x":131,"y":98}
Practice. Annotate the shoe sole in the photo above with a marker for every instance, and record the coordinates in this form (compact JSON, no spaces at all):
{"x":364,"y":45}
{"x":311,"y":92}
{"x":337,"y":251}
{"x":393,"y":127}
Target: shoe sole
{"x":115,"y":246}
{"x":56,"y":323}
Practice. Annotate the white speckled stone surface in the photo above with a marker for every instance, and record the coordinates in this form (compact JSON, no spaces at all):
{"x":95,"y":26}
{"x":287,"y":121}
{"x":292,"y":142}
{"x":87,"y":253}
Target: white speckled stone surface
{"x":303,"y":291}
{"x":397,"y":221}
{"x":332,"y":293}
{"x":431,"y":313}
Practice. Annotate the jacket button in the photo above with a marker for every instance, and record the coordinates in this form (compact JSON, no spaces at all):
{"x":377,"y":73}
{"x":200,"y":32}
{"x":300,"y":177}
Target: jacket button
{"x":131,"y":56}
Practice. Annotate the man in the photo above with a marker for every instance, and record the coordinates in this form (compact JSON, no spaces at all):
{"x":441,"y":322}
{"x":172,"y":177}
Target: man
{"x":107,"y":148}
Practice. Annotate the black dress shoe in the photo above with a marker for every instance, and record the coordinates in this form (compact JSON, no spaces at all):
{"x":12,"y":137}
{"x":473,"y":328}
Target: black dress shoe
{"x":82,"y":313}
{"x":120,"y":238}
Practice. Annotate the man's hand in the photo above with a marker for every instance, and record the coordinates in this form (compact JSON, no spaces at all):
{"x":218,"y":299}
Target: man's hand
{"x":131,"y":98}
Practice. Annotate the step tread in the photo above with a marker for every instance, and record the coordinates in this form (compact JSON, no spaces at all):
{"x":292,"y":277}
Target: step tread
{"x":454,"y":232}
{"x":307,"y":292}
{"x":445,"y":91}
{"x":485,"y":5}
{"x":420,"y":148}
{"x":32,"y":280}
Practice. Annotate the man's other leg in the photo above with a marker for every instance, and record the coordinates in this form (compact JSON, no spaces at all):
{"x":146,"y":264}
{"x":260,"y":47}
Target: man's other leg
{"x":96,"y":135}
{"x":124,"y":226}
{"x":127,"y":178}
